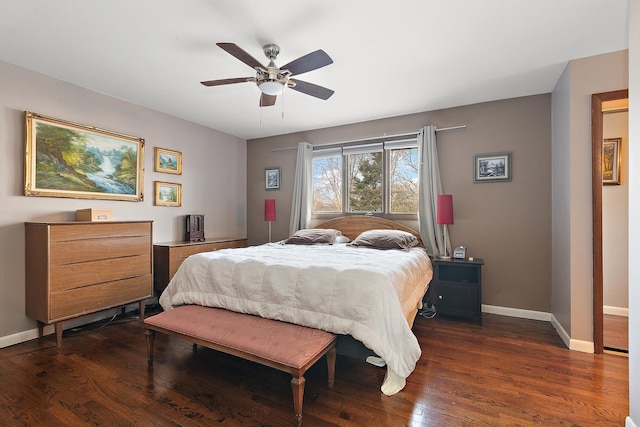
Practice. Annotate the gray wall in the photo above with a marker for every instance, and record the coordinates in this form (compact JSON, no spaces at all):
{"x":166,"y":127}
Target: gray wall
{"x":213,"y":178}
{"x":634,"y":214}
{"x":508,"y":224}
{"x":615,"y":221}
{"x":572,"y":293}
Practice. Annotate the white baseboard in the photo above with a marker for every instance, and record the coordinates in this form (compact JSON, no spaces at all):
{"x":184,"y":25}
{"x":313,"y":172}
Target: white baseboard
{"x":582,"y":346}
{"x":31,"y":334}
{"x":24,"y":336}
{"x":615,"y":311}
{"x":629,"y":422}
{"x":564,"y":336}
{"x":516,"y":312}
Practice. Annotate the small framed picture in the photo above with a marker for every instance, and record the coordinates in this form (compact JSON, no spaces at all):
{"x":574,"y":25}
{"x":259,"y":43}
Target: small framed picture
{"x":272,"y":178}
{"x":168,"y":161}
{"x":168,"y":194}
{"x":611,"y":161}
{"x":493,"y":167}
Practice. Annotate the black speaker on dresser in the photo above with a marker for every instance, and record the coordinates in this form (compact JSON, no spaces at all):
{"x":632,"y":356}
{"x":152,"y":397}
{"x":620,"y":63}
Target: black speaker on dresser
{"x":194,"y":228}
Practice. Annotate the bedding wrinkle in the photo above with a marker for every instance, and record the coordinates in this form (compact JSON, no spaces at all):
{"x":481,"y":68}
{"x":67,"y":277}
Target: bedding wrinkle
{"x":358,"y":291}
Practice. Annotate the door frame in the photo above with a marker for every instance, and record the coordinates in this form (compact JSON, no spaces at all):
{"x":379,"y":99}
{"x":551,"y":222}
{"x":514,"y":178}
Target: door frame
{"x":596,"y":199}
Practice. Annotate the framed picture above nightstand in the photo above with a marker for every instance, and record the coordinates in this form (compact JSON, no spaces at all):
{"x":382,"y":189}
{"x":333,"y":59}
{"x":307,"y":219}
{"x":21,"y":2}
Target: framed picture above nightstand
{"x":456,"y":287}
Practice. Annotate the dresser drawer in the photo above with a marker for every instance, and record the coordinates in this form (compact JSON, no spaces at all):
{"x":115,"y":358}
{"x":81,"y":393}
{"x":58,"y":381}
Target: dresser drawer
{"x":79,"y":231}
{"x":229,"y":245}
{"x":73,"y":251}
{"x":87,"y":299}
{"x":182,"y":252}
{"x":71,"y":276}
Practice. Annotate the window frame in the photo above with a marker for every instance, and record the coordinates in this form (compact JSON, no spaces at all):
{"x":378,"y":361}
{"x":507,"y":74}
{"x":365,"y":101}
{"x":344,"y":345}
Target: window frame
{"x":387,"y":144}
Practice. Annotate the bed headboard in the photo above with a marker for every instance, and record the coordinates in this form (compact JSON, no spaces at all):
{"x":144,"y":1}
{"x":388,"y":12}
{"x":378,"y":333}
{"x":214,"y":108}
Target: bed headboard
{"x":351,"y":226}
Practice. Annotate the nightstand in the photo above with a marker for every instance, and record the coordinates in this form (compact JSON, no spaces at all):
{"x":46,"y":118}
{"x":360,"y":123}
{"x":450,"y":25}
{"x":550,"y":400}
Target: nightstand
{"x":456,"y":287}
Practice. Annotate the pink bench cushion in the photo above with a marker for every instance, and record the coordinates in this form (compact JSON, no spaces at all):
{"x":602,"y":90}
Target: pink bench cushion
{"x":286,"y":343}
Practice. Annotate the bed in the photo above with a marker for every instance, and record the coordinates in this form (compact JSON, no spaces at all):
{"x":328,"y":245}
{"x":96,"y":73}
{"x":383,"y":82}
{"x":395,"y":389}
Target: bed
{"x":353,"y":289}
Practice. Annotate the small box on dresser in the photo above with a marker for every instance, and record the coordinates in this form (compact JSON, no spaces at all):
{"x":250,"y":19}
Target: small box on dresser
{"x":77,"y":268}
{"x":93,"y":214}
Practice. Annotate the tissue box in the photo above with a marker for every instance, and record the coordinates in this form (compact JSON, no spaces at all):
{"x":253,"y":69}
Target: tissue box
{"x":94,"y":214}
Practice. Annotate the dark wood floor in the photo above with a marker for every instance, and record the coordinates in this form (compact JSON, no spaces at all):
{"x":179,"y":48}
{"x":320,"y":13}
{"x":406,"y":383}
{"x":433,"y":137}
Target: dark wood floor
{"x":509,"y":371}
{"x":615,"y":332}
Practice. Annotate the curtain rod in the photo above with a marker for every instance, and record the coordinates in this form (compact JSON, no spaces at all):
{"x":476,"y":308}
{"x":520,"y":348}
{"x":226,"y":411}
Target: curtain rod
{"x":374,"y":137}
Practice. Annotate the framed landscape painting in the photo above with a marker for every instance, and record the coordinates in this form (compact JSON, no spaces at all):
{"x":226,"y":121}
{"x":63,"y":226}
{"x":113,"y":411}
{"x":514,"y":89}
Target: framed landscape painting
{"x":168,"y":194}
{"x":493,"y":167}
{"x":272,"y":178}
{"x":168,"y":161}
{"x":64,"y":159}
{"x":611,"y":161}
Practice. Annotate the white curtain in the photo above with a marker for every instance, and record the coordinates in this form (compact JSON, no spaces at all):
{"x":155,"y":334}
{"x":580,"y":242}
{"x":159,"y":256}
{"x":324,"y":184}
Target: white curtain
{"x":430,"y":187}
{"x":301,"y":205}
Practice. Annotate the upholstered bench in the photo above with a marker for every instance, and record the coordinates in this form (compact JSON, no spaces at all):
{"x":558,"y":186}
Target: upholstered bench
{"x":284,"y":346}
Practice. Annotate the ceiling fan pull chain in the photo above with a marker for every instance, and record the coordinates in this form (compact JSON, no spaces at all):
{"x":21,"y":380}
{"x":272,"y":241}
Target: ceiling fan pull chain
{"x":282,"y":104}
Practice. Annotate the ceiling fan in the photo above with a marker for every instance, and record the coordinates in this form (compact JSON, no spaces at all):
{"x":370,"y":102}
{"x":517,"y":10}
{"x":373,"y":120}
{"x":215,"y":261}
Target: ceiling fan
{"x":272,"y":80}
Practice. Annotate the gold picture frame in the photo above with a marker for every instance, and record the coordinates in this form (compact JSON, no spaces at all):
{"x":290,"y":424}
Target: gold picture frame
{"x":65,"y":159}
{"x":611,"y":161}
{"x":168,"y":161}
{"x":167,"y":194}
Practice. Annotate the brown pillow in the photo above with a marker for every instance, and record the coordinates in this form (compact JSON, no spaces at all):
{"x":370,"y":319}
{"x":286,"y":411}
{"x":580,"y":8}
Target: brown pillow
{"x":312,"y":236}
{"x":386,"y":239}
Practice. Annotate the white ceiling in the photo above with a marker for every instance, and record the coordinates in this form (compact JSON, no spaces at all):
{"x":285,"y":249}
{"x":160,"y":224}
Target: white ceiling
{"x":390,"y":57}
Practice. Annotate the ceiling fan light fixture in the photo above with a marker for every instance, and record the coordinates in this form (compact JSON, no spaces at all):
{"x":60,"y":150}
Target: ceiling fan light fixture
{"x":271,"y":87}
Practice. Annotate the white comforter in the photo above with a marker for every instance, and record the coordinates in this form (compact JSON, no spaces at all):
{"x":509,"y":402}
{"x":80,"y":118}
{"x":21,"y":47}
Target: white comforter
{"x":366,"y":293}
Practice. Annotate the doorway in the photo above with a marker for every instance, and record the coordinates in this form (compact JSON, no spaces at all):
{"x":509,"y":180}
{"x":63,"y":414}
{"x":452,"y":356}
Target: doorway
{"x":597,"y":132}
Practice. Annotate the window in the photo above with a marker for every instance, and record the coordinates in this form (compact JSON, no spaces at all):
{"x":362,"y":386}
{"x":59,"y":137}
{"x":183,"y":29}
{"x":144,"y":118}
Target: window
{"x":327,"y":181}
{"x":364,"y":184}
{"x":403,"y":177}
{"x":375,"y":177}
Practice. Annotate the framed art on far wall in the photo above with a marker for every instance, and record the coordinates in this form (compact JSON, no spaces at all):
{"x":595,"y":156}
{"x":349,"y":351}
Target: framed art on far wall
{"x":168,"y":161}
{"x":272,"y":178}
{"x":64,"y":159}
{"x":611,"y":161}
{"x":494,"y":167}
{"x":168,"y":194}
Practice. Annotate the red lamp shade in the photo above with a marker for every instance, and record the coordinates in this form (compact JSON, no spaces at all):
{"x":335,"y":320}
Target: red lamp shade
{"x":270,"y":209}
{"x":445,"y":209}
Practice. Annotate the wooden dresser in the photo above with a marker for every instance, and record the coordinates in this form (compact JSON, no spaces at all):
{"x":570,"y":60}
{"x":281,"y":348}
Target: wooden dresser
{"x":167,"y":257}
{"x":77,"y":268}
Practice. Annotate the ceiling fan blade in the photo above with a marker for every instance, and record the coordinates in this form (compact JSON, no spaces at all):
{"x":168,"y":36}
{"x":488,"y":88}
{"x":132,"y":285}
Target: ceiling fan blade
{"x":243,"y":56}
{"x":311,"y":89}
{"x":227,"y":81}
{"x":267,"y":100}
{"x":309,"y":62}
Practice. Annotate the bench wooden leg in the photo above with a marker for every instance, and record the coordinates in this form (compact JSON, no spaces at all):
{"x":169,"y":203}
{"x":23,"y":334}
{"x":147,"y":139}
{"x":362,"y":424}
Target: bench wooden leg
{"x":331,"y":365}
{"x":150,"y":336}
{"x":297,"y":386}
